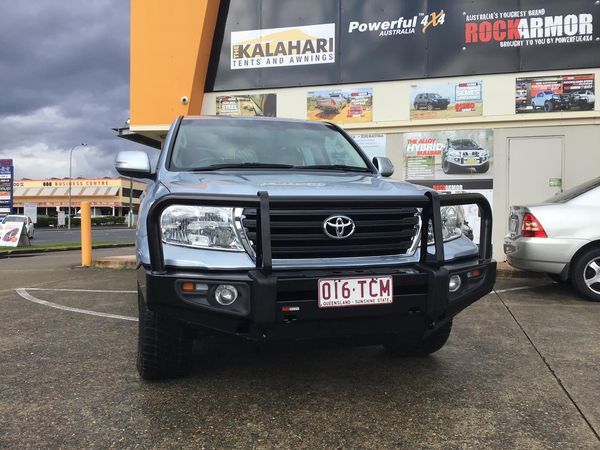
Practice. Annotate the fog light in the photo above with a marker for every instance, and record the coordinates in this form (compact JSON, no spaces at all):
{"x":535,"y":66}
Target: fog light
{"x":225,"y":294}
{"x":455,"y":283}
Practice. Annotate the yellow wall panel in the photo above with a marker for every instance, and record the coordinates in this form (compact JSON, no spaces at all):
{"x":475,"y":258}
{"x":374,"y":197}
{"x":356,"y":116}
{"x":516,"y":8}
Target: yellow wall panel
{"x":170,"y":50}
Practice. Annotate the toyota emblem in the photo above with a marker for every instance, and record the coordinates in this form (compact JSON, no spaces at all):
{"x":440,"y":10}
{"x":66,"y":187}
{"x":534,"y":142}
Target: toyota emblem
{"x":339,"y":227}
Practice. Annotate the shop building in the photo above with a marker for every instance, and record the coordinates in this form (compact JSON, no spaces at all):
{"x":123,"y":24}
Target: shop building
{"x":107,"y":196}
{"x":491,"y":96}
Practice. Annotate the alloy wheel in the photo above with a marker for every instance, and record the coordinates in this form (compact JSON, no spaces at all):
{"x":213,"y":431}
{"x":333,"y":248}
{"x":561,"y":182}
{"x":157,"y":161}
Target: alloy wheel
{"x":591,"y":275}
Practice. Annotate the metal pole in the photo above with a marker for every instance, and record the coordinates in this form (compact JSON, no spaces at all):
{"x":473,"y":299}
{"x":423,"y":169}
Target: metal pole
{"x":83,"y":144}
{"x":130,"y":219}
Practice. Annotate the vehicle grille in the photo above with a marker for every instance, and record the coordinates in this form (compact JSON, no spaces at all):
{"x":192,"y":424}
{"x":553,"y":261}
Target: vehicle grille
{"x":298,"y":233}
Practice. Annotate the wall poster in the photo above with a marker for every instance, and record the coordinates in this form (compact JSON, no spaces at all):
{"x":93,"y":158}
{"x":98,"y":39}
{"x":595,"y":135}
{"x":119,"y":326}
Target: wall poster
{"x":341,"y":105}
{"x":555,"y":94}
{"x":247,"y":105}
{"x":446,"y":100}
{"x":372,"y":144}
{"x":449,"y":155}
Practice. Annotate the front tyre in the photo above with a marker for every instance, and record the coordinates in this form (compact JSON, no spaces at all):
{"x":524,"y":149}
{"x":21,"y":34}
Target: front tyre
{"x":483,"y":168}
{"x":585,"y":274}
{"x":426,"y":346}
{"x":446,"y":167}
{"x":164,"y":344}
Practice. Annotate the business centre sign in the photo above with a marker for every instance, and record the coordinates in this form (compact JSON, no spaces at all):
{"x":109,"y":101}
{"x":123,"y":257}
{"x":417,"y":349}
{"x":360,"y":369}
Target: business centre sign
{"x":359,"y":41}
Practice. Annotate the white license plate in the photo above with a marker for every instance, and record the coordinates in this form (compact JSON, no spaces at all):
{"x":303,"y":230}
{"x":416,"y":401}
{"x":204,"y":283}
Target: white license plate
{"x":472,"y":160}
{"x":344,"y":292}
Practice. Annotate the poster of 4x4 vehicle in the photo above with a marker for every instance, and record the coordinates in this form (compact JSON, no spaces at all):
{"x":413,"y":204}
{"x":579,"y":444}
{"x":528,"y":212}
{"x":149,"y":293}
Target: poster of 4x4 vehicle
{"x":448,"y":155}
{"x":555,"y":94}
{"x":446,"y":100}
{"x":340,"y":105}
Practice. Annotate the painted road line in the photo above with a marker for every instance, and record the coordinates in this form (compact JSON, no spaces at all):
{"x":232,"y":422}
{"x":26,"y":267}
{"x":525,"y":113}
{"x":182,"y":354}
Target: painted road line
{"x":27,"y":296}
{"x":522,"y":288}
{"x":81,"y":290}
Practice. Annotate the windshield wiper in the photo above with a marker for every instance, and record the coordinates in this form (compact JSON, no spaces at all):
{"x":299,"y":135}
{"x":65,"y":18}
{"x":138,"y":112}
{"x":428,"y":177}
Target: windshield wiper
{"x":250,"y":165}
{"x":336,"y":167}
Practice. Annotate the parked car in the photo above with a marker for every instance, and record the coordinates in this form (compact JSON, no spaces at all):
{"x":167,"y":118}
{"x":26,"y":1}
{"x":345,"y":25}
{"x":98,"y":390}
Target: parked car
{"x":584,"y":99}
{"x":431,"y":101}
{"x":334,"y":103}
{"x":29,"y":228}
{"x":462,"y":154}
{"x":560,"y":237}
{"x":549,"y":101}
{"x":298,"y":236}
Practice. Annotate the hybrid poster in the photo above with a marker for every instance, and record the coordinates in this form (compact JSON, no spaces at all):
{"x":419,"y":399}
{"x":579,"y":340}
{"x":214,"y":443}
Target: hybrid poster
{"x":247,"y":105}
{"x":341,"y":105}
{"x":555,"y":94}
{"x":449,"y":155}
{"x":447,"y":100}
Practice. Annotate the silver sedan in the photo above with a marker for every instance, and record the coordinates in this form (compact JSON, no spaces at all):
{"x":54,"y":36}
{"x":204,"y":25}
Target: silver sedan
{"x":560,"y":237}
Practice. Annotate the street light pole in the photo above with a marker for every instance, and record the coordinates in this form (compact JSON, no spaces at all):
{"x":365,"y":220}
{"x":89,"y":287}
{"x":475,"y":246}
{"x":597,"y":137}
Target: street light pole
{"x":83,"y":144}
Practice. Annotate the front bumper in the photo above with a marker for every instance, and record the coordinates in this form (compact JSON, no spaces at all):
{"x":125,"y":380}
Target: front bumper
{"x":279,"y":304}
{"x":462,"y":163}
{"x":283,"y":305}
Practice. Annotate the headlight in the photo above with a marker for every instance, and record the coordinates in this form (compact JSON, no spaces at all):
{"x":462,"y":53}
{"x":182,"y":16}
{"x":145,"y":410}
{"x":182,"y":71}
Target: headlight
{"x":452,"y":223}
{"x":200,"y":227}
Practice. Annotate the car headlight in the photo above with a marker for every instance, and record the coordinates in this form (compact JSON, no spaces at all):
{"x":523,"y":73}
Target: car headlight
{"x":200,"y":227}
{"x":452,"y":224}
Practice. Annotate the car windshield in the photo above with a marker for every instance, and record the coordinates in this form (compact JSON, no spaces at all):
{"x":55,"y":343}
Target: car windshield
{"x":15,"y":219}
{"x":575,"y":192}
{"x":465,"y":143}
{"x":210,"y":144}
{"x":436,"y":96}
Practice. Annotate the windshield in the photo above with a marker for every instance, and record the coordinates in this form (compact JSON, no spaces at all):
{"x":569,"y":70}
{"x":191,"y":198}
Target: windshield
{"x":465,"y":143}
{"x":225,"y":142}
{"x":16,"y":219}
{"x":436,"y":96}
{"x":575,"y":192}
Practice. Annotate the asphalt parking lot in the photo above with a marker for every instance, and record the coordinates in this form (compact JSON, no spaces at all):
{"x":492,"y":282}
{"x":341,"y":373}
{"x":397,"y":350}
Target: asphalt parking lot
{"x":520,"y":371}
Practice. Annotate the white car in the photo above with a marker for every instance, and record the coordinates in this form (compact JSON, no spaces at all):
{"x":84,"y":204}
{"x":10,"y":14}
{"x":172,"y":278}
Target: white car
{"x":560,"y":237}
{"x":23,"y":219}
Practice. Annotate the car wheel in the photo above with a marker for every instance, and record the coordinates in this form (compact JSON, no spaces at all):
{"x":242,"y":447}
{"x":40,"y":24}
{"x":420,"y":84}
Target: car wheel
{"x":426,"y":346}
{"x":416,"y":106}
{"x":483,"y":168}
{"x":548,"y":106}
{"x":585,"y":274}
{"x":446,"y":167}
{"x":429,"y":107}
{"x":164,"y":344}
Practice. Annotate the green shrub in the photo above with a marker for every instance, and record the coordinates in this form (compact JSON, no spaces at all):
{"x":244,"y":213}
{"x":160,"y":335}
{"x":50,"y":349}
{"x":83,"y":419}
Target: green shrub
{"x":47,"y":221}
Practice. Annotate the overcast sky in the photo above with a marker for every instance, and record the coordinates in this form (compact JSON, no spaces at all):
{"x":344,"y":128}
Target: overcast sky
{"x":64,"y":72}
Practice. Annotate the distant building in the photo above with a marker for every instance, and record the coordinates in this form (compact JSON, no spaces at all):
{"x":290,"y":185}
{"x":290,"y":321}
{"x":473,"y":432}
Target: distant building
{"x":107,"y":196}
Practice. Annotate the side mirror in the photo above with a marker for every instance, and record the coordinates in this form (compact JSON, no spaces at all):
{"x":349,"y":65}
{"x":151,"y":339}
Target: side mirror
{"x":134,"y":164}
{"x":384,"y":166}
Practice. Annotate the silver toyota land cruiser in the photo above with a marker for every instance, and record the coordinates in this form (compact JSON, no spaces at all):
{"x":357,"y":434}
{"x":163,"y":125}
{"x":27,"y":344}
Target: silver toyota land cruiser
{"x":274,"y":229}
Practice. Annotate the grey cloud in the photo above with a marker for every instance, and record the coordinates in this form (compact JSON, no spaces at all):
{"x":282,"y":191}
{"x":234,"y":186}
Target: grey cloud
{"x":64,"y":73}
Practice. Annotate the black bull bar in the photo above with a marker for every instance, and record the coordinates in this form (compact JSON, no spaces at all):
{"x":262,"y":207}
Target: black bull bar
{"x":430,"y":203}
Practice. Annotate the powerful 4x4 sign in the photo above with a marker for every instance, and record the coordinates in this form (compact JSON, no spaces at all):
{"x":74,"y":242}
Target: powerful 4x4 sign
{"x":271,"y":229}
